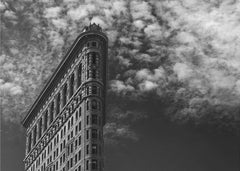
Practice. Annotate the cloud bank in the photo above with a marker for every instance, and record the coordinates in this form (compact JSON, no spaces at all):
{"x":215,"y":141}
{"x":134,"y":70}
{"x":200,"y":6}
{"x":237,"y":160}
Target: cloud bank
{"x":184,"y":54}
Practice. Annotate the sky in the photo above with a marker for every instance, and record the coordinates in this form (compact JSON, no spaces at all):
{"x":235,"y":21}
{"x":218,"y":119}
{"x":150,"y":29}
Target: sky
{"x":173,"y":99}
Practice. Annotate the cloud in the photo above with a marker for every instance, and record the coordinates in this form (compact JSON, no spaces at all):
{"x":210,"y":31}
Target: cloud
{"x":183,"y":53}
{"x":11,"y":88}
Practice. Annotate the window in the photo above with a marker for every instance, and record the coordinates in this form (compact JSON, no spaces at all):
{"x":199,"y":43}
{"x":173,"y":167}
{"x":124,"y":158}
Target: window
{"x":45,"y":120}
{"x":94,"y":133}
{"x":87,"y":164}
{"x":94,"y":89}
{"x":79,"y":155}
{"x":87,"y":105}
{"x":58,"y":104}
{"x":79,"y":140}
{"x":29,"y":142}
{"x":34,"y":135}
{"x":87,"y":149}
{"x":71,"y":85}
{"x":94,"y":164}
{"x":79,"y":75}
{"x":94,"y":44}
{"x":64,"y":95}
{"x":51,"y":112}
{"x":87,"y":120}
{"x":87,"y":134}
{"x":94,"y":73}
{"x":87,"y":91}
{"x":94,"y":148}
{"x":87,"y":74}
{"x":40,"y":128}
{"x":94,"y":119}
{"x":94,"y":56}
{"x":94,"y":104}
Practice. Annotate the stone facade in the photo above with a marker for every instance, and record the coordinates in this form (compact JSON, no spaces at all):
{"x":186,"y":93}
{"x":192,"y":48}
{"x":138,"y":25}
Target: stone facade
{"x":64,"y":126}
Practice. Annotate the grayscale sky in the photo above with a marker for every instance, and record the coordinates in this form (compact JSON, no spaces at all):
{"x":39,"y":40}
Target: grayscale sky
{"x":174,"y":78}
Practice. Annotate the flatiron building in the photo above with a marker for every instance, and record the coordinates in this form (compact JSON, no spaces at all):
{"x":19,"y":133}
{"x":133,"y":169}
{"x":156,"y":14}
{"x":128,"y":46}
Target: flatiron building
{"x":64,"y":126}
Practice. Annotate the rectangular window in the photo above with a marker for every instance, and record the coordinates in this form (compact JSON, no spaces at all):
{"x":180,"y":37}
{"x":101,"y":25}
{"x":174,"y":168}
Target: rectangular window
{"x":94,"y":119}
{"x":94,"y":134}
{"x":94,"y":148}
{"x":79,"y":140}
{"x":87,"y":149}
{"x":79,"y":155}
{"x":94,"y":164}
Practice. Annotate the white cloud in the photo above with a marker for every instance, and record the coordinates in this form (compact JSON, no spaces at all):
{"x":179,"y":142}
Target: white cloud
{"x":120,"y":87}
{"x":52,"y":12}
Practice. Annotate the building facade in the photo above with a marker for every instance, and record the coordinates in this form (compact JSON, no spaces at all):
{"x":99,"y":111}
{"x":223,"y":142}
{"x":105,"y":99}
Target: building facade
{"x":64,"y":126}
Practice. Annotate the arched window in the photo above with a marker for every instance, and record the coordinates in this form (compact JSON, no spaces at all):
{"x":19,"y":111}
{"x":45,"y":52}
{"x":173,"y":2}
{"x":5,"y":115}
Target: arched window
{"x":64,"y":95}
{"x":79,"y":75}
{"x":58,"y":104}
{"x":71,"y":85}
{"x":94,"y":104}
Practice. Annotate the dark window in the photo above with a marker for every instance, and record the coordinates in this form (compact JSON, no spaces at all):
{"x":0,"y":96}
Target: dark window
{"x":29,"y":142}
{"x":87,"y":105}
{"x":94,"y":104}
{"x":34,"y":134}
{"x":94,"y":119}
{"x":58,"y":104}
{"x":51,"y":112}
{"x":94,"y":148}
{"x":94,"y":56}
{"x":40,"y":128}
{"x":79,"y":75}
{"x":87,"y":120}
{"x":87,"y":164}
{"x":94,"y":44}
{"x":87,"y":134}
{"x":64,"y":94}
{"x":94,"y":89}
{"x":94,"y":73}
{"x":87,"y":149}
{"x":94,"y":164}
{"x":45,"y":120}
{"x":87,"y":90}
{"x":87,"y":74}
{"x":71,"y":85}
{"x":94,"y":133}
